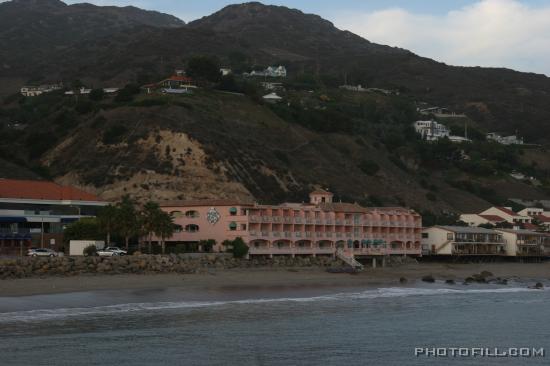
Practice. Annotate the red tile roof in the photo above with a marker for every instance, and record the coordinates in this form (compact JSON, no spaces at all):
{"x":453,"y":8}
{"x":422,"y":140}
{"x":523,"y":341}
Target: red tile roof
{"x":42,"y":190}
{"x":179,"y":78}
{"x":542,"y":218}
{"x":508,"y":211}
{"x":529,"y":226}
{"x":493,"y":218}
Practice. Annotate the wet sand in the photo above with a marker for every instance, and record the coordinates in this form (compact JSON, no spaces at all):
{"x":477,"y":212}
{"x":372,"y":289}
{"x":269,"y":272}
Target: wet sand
{"x":264,"y":278}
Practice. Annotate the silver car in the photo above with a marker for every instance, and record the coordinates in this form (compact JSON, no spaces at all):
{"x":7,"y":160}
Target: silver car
{"x":42,"y":252}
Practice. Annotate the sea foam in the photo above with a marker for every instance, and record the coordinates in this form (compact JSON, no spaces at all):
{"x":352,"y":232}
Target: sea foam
{"x":62,"y":313}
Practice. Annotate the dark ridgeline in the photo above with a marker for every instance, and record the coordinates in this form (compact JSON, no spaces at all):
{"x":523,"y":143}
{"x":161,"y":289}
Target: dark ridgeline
{"x":48,"y":41}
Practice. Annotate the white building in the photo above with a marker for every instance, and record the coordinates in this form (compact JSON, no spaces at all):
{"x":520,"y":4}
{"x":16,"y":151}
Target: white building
{"x":272,"y":98}
{"x":431,"y":130}
{"x":33,"y":91}
{"x":225,"y":71}
{"x":505,"y":140}
{"x":525,"y":243}
{"x":508,"y":214}
{"x":357,"y":88}
{"x":460,"y":240}
{"x":477,"y":219}
{"x":271,"y":71}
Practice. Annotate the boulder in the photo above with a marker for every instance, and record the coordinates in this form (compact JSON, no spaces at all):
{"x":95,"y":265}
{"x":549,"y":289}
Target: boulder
{"x":428,"y":278}
{"x":403,"y":280}
{"x":450,"y":282}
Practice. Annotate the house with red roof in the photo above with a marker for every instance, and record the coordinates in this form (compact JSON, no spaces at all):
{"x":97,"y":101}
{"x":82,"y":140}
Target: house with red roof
{"x":34,"y":213}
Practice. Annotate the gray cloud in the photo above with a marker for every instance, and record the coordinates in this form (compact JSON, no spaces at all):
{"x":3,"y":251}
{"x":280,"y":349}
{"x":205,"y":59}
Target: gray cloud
{"x":491,"y":33}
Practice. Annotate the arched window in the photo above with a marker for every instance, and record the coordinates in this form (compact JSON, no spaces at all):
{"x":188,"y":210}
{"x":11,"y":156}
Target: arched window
{"x":192,"y":214}
{"x":192,"y":228}
{"x":233,"y":211}
{"x":233,"y":226}
{"x":176,"y":214}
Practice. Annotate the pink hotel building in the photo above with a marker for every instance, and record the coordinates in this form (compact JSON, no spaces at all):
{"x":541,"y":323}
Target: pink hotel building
{"x":321,"y":227}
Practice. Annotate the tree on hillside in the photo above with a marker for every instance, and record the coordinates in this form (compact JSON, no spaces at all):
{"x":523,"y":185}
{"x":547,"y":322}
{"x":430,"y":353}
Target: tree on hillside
{"x":107,"y":221}
{"x":204,"y":68}
{"x":127,"y":219}
{"x":97,"y":94}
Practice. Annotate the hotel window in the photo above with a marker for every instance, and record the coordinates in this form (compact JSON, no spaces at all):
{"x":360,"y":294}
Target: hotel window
{"x":449,"y":236}
{"x":233,"y":226}
{"x":192,"y":228}
{"x":176,"y":214}
{"x":243,"y":227}
{"x":192,"y":214}
{"x":425,"y":235}
{"x":233,"y":211}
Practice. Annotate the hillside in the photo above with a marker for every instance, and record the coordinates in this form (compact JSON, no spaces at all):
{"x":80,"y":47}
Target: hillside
{"x":216,"y":144}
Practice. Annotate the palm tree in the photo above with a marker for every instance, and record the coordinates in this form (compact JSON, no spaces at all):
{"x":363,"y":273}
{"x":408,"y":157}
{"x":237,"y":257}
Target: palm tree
{"x":165,"y":228}
{"x":107,"y":220}
{"x":127,"y":219}
{"x":150,"y":220}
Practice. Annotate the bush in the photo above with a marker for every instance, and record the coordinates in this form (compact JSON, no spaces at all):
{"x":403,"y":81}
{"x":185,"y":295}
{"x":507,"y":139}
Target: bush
{"x":238,"y":247}
{"x":97,"y":94}
{"x":114,"y":134}
{"x":369,"y":167}
{"x":90,"y":251}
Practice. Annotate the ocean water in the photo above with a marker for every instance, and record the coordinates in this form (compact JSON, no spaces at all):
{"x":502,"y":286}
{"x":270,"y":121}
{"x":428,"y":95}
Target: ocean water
{"x":282,"y":326}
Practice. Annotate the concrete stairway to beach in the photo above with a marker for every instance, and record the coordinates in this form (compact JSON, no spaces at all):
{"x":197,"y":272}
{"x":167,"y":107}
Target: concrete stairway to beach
{"x":349,"y":259}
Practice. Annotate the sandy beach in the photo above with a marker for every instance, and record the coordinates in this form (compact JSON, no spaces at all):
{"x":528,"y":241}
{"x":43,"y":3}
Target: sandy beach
{"x":261,"y":278}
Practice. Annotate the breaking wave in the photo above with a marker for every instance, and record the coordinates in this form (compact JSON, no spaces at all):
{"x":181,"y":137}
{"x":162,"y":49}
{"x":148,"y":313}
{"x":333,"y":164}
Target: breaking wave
{"x":63,"y":313}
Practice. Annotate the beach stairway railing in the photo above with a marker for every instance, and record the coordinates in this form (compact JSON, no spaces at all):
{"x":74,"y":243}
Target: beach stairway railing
{"x":349,"y":259}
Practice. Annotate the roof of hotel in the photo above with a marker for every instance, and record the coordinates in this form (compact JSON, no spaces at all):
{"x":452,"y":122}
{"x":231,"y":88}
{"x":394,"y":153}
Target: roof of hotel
{"x":466,"y":229}
{"x":343,"y":207}
{"x":493,"y":218}
{"x":42,"y":190}
{"x":543,"y":218}
{"x":205,"y":202}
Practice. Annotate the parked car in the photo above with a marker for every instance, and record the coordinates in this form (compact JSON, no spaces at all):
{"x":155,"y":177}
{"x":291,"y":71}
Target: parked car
{"x":42,"y":252}
{"x":111,"y":252}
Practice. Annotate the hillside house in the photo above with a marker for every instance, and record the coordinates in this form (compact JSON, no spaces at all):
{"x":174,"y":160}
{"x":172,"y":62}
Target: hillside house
{"x":34,"y":91}
{"x":431,"y":130}
{"x":477,"y":219}
{"x":504,"y":140}
{"x":356,"y":88}
{"x":225,"y":71}
{"x":271,"y":71}
{"x":495,"y":216}
{"x":272,"y":98}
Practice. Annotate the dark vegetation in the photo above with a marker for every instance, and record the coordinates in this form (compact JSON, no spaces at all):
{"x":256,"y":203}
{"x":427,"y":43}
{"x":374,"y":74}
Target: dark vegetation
{"x":361,"y":145}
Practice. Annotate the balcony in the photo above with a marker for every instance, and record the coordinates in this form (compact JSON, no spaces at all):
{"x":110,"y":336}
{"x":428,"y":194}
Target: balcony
{"x":255,"y":219}
{"x":298,"y":234}
{"x":277,"y":219}
{"x":319,"y":234}
{"x":288,"y":234}
{"x":309,"y":234}
{"x":266,"y":218}
{"x":339,"y":222}
{"x":309,"y":221}
{"x":277,"y":234}
{"x":298,"y":220}
{"x":328,"y":222}
{"x":288,"y":220}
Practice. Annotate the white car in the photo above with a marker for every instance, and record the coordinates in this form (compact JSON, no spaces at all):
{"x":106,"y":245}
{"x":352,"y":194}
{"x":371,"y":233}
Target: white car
{"x":111,"y":252}
{"x":42,"y":252}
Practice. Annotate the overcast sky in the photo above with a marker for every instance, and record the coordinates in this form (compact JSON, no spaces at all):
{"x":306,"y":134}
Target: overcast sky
{"x":501,"y":33}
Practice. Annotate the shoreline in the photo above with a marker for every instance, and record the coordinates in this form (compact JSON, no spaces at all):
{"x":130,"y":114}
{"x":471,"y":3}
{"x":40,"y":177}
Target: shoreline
{"x":265,"y":278}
